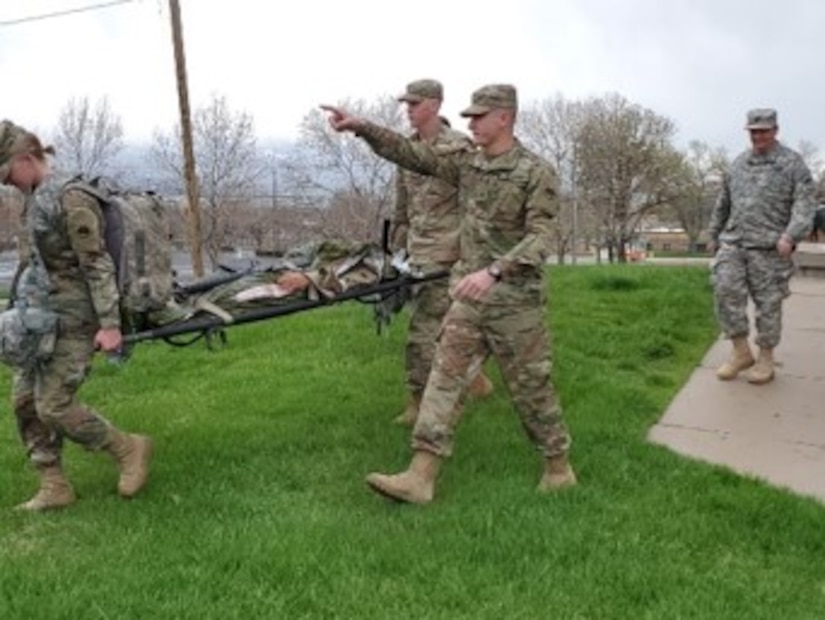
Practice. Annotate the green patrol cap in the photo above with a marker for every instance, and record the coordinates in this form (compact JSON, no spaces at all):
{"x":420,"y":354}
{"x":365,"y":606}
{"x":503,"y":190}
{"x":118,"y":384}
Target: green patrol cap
{"x":11,"y":138}
{"x":492,"y":97}
{"x":420,"y":90}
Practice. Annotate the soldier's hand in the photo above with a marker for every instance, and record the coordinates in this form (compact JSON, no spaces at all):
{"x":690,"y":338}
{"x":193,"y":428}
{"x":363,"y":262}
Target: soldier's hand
{"x":474,"y":286}
{"x":341,"y":120}
{"x":293,"y":281}
{"x":785,"y":246}
{"x":108,"y":339}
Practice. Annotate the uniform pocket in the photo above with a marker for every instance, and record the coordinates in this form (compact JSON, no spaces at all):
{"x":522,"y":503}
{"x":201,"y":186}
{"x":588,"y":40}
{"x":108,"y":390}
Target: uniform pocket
{"x":27,"y":336}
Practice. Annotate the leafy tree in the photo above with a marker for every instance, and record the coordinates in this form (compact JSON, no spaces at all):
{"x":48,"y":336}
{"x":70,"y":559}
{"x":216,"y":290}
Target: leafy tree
{"x":627,"y":166}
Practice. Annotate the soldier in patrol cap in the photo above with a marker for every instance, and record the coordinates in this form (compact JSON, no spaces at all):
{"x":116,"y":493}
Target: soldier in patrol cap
{"x":64,"y":243}
{"x":421,"y":90}
{"x":508,"y":197}
{"x":764,"y":209}
{"x":426,"y":224}
{"x":489,"y":98}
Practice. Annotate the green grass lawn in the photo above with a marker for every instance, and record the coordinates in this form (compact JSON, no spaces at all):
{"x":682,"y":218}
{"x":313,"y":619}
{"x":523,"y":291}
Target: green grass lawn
{"x":257,"y":506}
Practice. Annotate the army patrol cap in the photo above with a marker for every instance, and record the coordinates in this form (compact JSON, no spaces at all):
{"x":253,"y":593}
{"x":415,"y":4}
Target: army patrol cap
{"x":14,"y":140}
{"x":10,"y":138}
{"x":420,"y":90}
{"x":492,"y":97}
{"x":761,"y":118}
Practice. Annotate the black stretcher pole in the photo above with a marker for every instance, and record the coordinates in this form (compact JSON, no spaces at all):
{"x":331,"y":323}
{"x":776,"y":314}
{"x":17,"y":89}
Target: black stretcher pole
{"x":205,"y":323}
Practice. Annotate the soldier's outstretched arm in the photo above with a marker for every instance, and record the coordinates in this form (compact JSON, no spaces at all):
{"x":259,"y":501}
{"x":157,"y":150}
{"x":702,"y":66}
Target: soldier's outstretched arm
{"x":413,"y":155}
{"x":341,"y":120}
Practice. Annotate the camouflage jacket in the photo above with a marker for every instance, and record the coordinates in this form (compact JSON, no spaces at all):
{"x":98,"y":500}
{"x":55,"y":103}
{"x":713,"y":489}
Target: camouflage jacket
{"x":339,"y":266}
{"x":427,"y":217}
{"x":508,"y":204}
{"x":80,"y":273}
{"x":762,"y":197}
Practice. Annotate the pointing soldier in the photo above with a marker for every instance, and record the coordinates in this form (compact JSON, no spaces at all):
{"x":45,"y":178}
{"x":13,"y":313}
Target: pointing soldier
{"x":508,"y":200}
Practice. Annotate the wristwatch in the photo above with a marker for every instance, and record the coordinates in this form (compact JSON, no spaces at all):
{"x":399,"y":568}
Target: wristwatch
{"x":495,"y":270}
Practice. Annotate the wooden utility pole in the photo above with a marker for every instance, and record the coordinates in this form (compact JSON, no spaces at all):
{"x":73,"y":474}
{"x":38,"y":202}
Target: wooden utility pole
{"x":193,"y":198}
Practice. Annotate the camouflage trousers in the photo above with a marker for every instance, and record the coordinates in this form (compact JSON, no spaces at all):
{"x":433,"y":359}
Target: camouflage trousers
{"x":762,"y":275}
{"x":517,"y":338}
{"x":46,"y":407}
{"x":431,"y":300}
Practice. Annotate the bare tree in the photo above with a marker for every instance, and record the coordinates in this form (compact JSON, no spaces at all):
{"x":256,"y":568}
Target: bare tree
{"x":550,"y":128}
{"x":339,"y":175}
{"x":811,"y":155}
{"x":88,"y":138}
{"x":699,"y":186}
{"x":228,"y":165}
{"x":627,"y":166}
{"x":813,"y":158}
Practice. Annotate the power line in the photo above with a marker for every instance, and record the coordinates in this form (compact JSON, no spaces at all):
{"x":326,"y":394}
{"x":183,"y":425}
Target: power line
{"x":82,"y":9}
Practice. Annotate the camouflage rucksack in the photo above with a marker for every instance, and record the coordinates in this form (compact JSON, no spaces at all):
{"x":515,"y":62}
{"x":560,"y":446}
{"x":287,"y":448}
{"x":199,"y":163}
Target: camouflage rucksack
{"x":138,"y":239}
{"x":27,"y":335}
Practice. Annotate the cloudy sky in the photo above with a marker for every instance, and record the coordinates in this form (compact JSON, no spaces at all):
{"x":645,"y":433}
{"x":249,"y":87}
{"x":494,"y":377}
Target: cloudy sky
{"x":702,"y":63}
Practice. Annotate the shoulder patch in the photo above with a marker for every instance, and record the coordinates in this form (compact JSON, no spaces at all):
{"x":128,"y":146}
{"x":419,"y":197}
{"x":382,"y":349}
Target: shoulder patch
{"x":84,"y":228}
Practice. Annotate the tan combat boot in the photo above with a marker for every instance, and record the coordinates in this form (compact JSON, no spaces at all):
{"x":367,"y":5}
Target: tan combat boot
{"x":55,"y":491}
{"x":762,"y":371}
{"x":481,"y":386}
{"x":410,"y":414}
{"x":558,"y":474}
{"x":740,"y":359}
{"x":415,"y":486}
{"x":132,"y":454}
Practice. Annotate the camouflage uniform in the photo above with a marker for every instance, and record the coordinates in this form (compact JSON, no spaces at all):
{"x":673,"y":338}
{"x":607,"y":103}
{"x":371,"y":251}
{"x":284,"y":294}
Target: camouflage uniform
{"x":331,"y":267}
{"x":83,"y":293}
{"x":508,"y":203}
{"x":763,"y":197}
{"x":426,"y":224}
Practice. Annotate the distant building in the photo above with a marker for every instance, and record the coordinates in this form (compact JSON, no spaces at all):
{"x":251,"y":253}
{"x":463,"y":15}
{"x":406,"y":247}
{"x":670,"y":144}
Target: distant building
{"x":662,"y":237}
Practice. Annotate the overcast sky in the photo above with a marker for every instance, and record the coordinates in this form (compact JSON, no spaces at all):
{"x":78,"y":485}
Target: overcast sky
{"x":701,"y":63}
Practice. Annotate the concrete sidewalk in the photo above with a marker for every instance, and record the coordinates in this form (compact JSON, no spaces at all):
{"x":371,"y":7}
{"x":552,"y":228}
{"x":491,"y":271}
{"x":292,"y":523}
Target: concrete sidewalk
{"x":775,"y":432}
